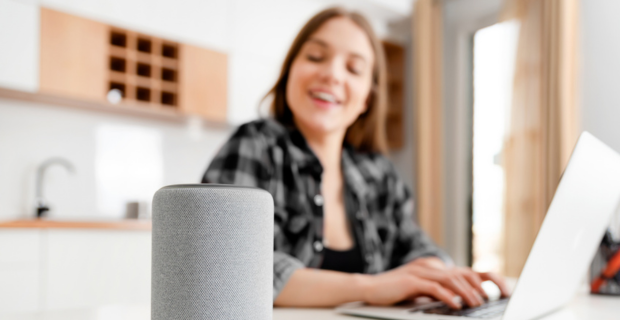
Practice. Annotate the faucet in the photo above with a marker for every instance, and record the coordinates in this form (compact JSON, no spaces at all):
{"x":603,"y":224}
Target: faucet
{"x":42,"y":207}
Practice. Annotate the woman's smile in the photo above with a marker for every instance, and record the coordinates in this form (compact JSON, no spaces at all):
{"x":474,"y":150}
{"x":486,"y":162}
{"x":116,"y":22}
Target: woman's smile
{"x":324,"y":99}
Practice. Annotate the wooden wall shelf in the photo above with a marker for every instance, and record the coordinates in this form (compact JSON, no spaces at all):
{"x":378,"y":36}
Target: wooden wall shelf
{"x":140,"y":225}
{"x":92,"y":61}
{"x":123,"y":108}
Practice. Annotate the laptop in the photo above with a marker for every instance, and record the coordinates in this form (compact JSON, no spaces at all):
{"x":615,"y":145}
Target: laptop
{"x":584,"y":202}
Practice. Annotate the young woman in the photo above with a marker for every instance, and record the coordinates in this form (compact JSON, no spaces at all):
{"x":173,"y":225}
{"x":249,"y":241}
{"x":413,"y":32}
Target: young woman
{"x":344,"y":228}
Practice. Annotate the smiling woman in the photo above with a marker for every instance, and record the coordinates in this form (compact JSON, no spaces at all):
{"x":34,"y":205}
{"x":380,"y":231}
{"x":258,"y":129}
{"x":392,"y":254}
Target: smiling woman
{"x":342,"y":45}
{"x":343,"y":218}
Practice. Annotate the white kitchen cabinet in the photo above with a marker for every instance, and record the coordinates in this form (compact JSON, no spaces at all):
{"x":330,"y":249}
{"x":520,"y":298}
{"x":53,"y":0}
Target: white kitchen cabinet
{"x":56,"y":269}
{"x":89,"y":268}
{"x":20,"y":266}
{"x":19,"y":287}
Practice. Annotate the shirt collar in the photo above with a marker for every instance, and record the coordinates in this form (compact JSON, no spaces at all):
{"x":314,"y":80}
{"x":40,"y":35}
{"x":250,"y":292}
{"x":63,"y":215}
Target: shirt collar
{"x":301,"y":153}
{"x":352,"y":175}
{"x":306,"y":159}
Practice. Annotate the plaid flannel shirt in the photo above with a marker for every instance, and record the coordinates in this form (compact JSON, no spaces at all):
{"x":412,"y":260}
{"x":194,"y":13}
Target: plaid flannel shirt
{"x":379,"y":207}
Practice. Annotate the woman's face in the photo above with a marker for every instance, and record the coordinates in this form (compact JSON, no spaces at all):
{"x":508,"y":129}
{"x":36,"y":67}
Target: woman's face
{"x":330,"y":78}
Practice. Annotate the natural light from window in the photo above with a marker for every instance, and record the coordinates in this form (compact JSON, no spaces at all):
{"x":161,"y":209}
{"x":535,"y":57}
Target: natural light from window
{"x":494,"y":57}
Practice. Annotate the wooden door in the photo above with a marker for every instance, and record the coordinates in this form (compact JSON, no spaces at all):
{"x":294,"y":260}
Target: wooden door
{"x":395,"y":59}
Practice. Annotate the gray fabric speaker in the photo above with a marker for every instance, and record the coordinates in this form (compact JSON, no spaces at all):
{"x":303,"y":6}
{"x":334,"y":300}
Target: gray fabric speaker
{"x":212,"y":253}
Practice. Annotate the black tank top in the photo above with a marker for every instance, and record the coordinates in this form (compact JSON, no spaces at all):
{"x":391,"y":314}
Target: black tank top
{"x":349,"y":261}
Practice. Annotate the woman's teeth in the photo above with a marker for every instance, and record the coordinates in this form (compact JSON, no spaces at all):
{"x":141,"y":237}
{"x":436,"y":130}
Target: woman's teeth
{"x":324,"y":96}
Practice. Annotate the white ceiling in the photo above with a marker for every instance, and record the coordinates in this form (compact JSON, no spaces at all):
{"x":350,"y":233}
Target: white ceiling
{"x":385,"y":15}
{"x":384,"y":10}
{"x":399,"y":6}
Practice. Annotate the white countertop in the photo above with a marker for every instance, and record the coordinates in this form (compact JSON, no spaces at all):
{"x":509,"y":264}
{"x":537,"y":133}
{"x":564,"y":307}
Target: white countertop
{"x":584,"y":306}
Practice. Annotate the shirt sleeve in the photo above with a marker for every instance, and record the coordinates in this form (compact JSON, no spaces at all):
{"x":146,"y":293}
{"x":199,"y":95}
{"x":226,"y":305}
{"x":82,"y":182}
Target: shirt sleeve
{"x":283,"y":267}
{"x":412,"y":242}
{"x":244,"y":160}
{"x":241,"y":161}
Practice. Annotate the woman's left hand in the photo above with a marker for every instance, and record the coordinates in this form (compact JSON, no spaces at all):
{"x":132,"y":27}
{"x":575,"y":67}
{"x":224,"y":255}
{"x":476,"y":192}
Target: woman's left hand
{"x":463,"y":281}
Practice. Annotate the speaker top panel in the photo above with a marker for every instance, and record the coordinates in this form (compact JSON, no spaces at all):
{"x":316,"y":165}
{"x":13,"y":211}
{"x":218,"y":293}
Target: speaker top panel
{"x":210,"y":186}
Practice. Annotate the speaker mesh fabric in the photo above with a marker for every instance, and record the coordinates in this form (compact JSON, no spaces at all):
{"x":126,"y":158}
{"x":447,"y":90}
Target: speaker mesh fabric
{"x":212,"y":253}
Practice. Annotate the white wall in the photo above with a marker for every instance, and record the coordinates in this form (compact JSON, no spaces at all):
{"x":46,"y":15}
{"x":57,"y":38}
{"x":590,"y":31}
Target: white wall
{"x":19,"y":35}
{"x":31,"y":133}
{"x":600,"y":70}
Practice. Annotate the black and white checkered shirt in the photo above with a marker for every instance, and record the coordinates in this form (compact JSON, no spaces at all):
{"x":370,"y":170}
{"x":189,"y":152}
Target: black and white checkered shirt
{"x":379,"y":207}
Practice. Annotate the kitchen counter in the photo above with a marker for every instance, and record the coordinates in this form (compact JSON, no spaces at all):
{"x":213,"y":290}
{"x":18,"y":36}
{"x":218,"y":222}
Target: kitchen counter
{"x":126,"y":224}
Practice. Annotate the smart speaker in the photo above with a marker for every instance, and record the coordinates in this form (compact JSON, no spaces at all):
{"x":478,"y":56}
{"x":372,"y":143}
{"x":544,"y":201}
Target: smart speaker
{"x":212,"y":253}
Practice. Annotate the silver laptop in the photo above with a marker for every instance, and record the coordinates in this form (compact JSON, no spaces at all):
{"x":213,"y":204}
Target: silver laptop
{"x":584,"y":202}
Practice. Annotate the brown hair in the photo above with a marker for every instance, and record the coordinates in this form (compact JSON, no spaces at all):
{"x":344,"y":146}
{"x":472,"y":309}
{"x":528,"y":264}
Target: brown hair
{"x":367,"y":133}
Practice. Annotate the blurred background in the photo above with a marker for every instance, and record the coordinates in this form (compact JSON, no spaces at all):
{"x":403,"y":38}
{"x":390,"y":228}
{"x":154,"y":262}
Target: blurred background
{"x":104,"y":102}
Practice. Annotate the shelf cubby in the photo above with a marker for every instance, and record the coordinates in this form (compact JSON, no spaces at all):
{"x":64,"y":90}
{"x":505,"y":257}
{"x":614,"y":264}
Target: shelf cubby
{"x":144,"y":68}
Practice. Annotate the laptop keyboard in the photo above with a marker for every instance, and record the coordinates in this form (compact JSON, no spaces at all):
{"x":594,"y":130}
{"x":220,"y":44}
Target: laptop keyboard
{"x":488,"y":310}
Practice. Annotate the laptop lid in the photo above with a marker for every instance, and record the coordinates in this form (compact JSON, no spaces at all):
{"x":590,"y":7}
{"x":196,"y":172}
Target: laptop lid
{"x":585,"y":200}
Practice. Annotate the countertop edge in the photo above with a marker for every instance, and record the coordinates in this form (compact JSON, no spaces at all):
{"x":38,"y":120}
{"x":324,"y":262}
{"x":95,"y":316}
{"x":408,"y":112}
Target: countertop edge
{"x":144,"y":225}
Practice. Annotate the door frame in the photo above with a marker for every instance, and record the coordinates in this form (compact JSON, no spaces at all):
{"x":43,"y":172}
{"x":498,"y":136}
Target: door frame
{"x":462,"y":19}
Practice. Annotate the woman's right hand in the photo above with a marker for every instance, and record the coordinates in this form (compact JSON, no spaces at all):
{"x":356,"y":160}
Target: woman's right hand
{"x":397,"y":285}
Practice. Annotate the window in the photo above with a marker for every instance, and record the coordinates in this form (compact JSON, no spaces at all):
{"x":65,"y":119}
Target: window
{"x":494,"y":57}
